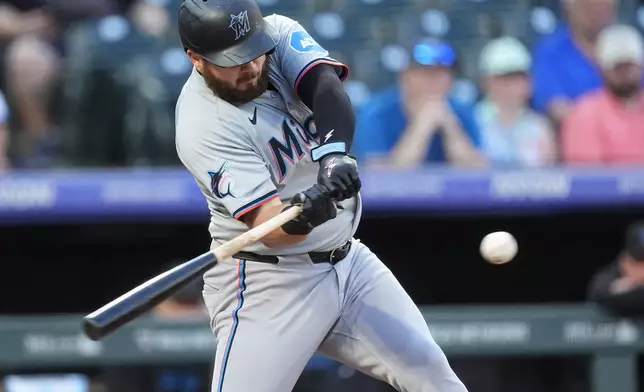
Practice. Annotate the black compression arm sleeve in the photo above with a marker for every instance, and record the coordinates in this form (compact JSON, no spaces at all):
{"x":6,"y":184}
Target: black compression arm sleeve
{"x":322,"y":91}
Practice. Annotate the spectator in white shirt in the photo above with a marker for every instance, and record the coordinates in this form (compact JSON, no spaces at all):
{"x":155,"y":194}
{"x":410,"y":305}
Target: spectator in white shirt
{"x":512,"y":134}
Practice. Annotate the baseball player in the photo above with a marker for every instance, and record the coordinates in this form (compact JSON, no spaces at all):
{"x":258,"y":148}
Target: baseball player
{"x":263,"y":123}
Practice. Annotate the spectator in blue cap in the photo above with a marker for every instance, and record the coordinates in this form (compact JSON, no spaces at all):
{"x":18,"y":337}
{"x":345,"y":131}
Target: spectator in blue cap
{"x":416,"y":122}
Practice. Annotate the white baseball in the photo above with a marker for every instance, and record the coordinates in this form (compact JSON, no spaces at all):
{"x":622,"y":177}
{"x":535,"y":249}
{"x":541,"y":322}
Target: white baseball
{"x":499,"y":247}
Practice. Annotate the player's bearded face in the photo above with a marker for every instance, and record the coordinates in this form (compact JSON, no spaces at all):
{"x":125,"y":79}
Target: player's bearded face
{"x":238,"y":85}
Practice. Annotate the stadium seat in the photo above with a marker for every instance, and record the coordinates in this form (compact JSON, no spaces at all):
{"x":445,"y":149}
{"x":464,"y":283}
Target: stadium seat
{"x":108,"y":41}
{"x":154,"y":82}
{"x":291,"y":8}
{"x":95,"y":88}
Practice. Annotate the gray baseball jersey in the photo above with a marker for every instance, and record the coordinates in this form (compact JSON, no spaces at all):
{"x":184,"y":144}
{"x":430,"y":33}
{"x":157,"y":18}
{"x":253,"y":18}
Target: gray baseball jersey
{"x":242,"y":156}
{"x":269,"y":319}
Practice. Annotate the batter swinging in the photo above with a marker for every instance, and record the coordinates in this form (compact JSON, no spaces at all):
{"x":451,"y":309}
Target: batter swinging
{"x":263,"y":123}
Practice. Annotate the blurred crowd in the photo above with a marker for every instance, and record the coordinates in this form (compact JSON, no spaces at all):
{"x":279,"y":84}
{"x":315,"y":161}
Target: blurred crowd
{"x":76,"y":90}
{"x":51,"y":55}
{"x":31,"y":51}
{"x":574,"y":97}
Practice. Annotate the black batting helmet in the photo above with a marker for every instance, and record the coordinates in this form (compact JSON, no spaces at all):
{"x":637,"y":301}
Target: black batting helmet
{"x":227,"y":33}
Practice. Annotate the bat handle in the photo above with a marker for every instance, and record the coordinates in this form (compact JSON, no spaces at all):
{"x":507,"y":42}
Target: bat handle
{"x":255,"y":234}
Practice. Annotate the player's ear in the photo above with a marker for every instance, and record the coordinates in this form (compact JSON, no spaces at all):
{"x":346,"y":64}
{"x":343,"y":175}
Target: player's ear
{"x":196,"y":60}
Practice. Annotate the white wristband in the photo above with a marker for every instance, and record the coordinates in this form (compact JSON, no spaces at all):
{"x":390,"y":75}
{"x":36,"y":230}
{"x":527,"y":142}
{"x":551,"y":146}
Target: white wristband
{"x":336,"y":147}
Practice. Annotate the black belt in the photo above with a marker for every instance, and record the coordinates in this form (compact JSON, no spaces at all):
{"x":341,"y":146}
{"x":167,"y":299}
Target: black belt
{"x":332,"y":256}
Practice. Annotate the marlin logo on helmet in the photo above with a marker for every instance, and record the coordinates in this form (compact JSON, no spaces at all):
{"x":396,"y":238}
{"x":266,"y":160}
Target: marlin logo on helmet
{"x":240,"y":24}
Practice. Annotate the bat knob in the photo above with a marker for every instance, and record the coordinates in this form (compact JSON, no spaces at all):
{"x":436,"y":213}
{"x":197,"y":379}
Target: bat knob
{"x":91,"y":330}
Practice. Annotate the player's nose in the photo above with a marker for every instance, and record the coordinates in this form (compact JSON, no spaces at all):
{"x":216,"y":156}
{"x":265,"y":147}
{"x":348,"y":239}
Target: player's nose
{"x":251,"y":67}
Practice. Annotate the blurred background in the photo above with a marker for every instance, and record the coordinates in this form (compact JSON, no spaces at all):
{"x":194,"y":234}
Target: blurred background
{"x":538,"y":130}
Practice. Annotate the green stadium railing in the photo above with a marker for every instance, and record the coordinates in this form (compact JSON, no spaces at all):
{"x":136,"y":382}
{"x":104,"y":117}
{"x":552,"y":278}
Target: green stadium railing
{"x":613,"y":344}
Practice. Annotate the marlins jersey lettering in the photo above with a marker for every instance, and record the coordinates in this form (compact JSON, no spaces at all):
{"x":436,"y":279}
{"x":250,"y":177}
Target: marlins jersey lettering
{"x":243,"y":156}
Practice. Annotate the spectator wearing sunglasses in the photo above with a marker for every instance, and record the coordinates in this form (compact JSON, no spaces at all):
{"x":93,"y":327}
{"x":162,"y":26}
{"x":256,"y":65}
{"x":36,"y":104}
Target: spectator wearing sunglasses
{"x":416,"y":122}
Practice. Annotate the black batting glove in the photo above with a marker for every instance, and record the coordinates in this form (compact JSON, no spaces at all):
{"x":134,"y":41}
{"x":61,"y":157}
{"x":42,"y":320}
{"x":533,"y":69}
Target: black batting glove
{"x":317,"y":208}
{"x":339,"y":173}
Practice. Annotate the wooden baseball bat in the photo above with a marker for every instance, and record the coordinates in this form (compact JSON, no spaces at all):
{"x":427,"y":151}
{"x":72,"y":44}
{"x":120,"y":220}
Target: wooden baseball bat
{"x":139,"y":300}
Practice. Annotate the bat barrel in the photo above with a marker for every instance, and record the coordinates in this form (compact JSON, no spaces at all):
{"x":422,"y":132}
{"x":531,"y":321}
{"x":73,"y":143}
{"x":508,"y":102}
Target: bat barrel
{"x":144,"y":297}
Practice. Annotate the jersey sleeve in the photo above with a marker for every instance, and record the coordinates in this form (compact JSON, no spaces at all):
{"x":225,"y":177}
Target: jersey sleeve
{"x":297,"y":52}
{"x":226,"y":166}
